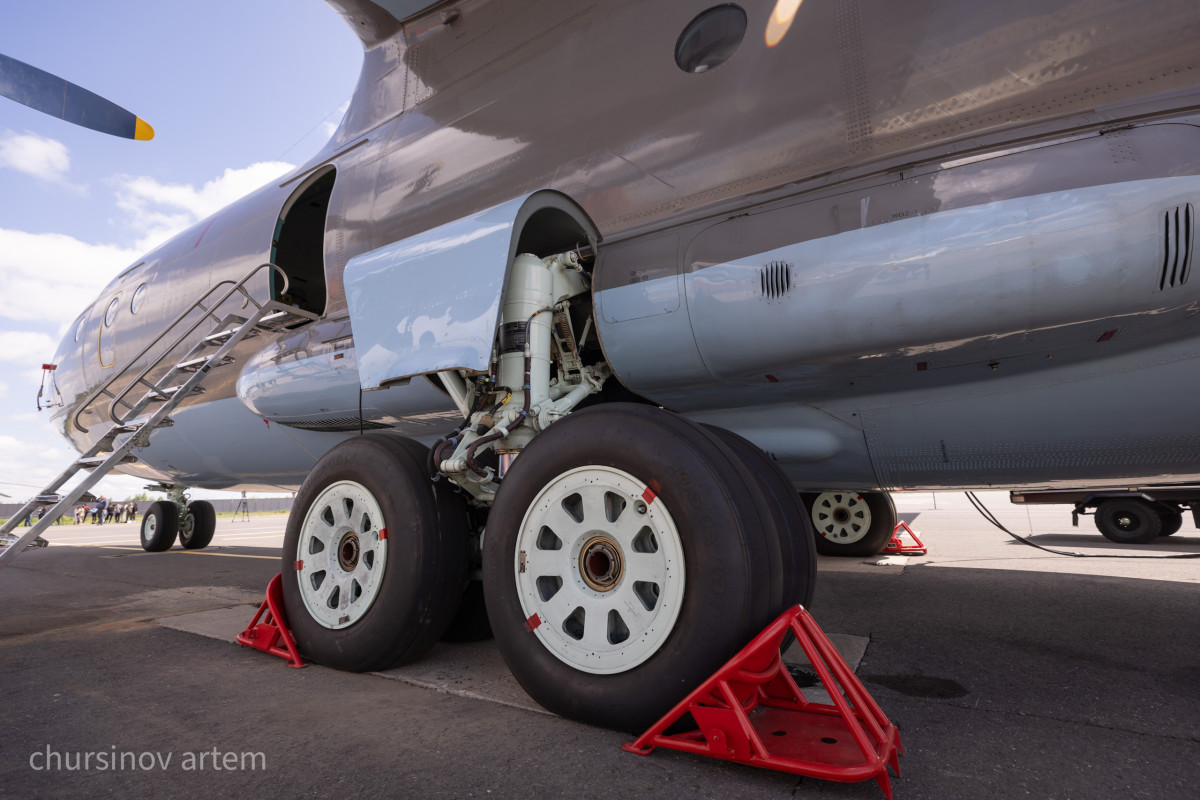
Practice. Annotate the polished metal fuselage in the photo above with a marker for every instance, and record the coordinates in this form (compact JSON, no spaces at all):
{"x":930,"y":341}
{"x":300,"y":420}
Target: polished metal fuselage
{"x":914,"y":244}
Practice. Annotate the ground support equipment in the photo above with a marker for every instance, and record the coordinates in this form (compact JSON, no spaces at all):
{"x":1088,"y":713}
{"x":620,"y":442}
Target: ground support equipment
{"x":271,"y":635}
{"x":898,"y":545}
{"x":752,"y":712}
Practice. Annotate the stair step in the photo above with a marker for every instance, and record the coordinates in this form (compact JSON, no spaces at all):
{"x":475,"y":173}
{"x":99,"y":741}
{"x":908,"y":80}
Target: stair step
{"x":193,"y":364}
{"x":109,"y":438}
{"x":279,"y":319}
{"x":220,"y":336}
{"x":162,"y":395}
{"x":94,"y":461}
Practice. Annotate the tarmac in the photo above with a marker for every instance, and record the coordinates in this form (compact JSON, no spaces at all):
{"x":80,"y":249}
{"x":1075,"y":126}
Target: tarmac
{"x":1010,"y":671}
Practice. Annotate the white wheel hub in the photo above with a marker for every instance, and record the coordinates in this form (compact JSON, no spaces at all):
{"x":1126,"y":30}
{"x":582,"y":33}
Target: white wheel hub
{"x":341,"y":554}
{"x":599,"y":570}
{"x":841,"y":517}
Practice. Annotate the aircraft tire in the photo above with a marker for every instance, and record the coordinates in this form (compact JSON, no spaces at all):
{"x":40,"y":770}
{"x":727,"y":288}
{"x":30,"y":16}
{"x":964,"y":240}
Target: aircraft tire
{"x":197,"y":533}
{"x":827,"y":512}
{"x":470,"y":623}
{"x":1172,"y":521}
{"x":160,"y":524}
{"x":374,"y":556}
{"x":1129,"y":521}
{"x":614,"y":489}
{"x":792,"y":521}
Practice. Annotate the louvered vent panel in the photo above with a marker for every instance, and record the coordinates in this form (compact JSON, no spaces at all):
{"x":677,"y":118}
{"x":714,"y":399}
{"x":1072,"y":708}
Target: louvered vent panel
{"x":1178,"y":228}
{"x":776,"y":279}
{"x":332,"y":425}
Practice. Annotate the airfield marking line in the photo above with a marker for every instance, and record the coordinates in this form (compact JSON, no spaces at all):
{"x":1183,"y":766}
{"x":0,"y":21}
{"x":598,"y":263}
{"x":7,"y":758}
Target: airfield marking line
{"x":192,"y":552}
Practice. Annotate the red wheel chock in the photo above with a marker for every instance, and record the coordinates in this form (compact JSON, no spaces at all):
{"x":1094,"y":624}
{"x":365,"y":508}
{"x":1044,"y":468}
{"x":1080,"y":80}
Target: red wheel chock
{"x":752,"y":712}
{"x":898,"y":545}
{"x":272,"y":635}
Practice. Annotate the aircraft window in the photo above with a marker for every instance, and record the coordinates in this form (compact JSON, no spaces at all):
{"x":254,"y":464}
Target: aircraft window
{"x":110,"y":313}
{"x":139,"y":298}
{"x":711,"y":38}
{"x":79,"y":328}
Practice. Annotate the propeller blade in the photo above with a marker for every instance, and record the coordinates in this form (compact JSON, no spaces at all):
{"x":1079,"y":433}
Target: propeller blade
{"x":52,"y":95}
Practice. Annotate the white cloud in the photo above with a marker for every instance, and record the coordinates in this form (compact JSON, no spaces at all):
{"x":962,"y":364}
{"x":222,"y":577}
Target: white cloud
{"x":24,"y":346}
{"x":159,"y":210}
{"x":45,"y":159}
{"x":3,"y":389}
{"x":51,"y":277}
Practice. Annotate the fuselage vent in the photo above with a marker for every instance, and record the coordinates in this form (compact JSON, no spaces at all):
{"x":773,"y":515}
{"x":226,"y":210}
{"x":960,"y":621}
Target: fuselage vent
{"x":1177,"y":227}
{"x":333,"y":424}
{"x":776,"y":279}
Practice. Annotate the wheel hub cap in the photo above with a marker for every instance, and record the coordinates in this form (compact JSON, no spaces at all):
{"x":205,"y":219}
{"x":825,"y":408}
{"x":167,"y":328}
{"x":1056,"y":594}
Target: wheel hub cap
{"x":601,"y":564}
{"x":348,"y":551}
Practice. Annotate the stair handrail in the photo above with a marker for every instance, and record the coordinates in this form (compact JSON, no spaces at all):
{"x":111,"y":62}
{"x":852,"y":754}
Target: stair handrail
{"x":236,"y":287}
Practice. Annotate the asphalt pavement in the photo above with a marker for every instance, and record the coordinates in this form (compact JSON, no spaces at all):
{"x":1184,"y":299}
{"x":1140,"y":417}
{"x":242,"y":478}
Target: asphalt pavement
{"x":1011,"y":672}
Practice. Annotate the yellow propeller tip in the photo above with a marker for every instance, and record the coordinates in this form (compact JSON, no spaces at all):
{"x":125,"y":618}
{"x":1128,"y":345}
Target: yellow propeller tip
{"x":142,"y":130}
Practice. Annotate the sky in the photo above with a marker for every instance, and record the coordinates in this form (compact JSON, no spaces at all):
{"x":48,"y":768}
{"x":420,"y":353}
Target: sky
{"x":237,"y":92}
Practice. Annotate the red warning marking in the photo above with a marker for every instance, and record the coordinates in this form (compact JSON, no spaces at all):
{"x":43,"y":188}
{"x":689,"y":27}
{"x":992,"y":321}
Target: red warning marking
{"x":649,"y":495}
{"x":382,"y":534}
{"x":772,"y":379}
{"x":1104,"y":337}
{"x":299,"y":566}
{"x":532,"y":623}
{"x":206,"y":227}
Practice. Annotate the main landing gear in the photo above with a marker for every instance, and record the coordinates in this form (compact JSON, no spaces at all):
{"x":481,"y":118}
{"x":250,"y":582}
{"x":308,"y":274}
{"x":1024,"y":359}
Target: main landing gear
{"x":851,"y":524}
{"x":628,"y":554}
{"x":375,"y":555}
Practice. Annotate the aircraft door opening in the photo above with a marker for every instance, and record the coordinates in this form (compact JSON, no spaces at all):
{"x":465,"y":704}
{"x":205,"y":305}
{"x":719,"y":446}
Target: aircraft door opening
{"x":299,"y":243}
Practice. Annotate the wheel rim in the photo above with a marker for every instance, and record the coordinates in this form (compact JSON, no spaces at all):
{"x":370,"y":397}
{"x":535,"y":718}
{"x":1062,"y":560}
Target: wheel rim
{"x":341,"y":554}
{"x":149,"y":526}
{"x":600,"y":570}
{"x":841,"y":517}
{"x":187,"y":525}
{"x":1127,"y":521}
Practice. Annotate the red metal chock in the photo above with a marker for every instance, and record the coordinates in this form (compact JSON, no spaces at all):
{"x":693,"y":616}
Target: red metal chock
{"x":752,"y":712}
{"x":272,"y":631}
{"x":897,"y":545}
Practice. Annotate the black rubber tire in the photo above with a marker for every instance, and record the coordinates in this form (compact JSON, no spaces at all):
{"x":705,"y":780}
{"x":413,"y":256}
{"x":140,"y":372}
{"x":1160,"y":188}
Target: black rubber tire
{"x":425,"y":570}
{"x":883,"y":527}
{"x":1172,"y":521}
{"x":470,"y":623}
{"x":204,"y":525}
{"x":163,"y":517}
{"x":1128,"y":521}
{"x":792,"y":521}
{"x":733,"y":584}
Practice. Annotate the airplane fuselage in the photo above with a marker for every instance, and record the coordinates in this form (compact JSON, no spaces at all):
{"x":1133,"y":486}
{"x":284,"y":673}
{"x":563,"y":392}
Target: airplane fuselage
{"x":911,"y":245}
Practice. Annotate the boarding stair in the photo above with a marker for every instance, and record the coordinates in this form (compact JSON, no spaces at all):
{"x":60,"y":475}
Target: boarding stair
{"x":141,"y":400}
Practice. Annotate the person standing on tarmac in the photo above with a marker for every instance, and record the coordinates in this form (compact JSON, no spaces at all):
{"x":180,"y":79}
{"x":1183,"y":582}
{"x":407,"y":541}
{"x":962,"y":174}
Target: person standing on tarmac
{"x":101,"y":510}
